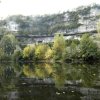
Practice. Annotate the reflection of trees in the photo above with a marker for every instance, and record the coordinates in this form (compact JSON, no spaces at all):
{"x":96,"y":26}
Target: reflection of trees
{"x":89,"y":74}
{"x":72,"y":72}
{"x":63,"y":72}
{"x":49,"y":68}
{"x":18,"y":68}
{"x":29,"y":72}
{"x":85,"y":72}
{"x":7,"y":79}
{"x":59,"y":75}
{"x":39,"y":71}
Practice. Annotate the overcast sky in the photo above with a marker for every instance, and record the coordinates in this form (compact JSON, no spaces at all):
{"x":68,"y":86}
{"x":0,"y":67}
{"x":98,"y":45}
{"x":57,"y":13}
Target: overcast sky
{"x":40,"y":7}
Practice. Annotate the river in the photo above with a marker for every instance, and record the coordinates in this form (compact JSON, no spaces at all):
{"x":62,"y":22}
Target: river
{"x":47,"y":81}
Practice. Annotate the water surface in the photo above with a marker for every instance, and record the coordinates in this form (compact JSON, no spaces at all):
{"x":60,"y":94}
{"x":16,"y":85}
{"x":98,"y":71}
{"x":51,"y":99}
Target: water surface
{"x":49,"y":81}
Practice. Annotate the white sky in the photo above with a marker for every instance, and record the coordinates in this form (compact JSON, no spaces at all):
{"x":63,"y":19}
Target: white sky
{"x":39,"y":7}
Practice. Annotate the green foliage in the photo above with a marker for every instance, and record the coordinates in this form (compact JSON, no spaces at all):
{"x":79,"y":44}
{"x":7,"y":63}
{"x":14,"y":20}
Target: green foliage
{"x":70,"y":41}
{"x":8,"y":44}
{"x":73,"y":18}
{"x":29,"y":72}
{"x":74,"y":51}
{"x":49,"y":54}
{"x":29,"y":52}
{"x":61,"y":26}
{"x":40,"y":51}
{"x":83,"y":10}
{"x":1,"y":53}
{"x":18,"y":54}
{"x":98,"y":27}
{"x":88,"y":48}
{"x":3,"y":56}
{"x":58,"y":47}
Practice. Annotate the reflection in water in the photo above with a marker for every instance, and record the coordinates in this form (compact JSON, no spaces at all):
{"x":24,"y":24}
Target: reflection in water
{"x":49,"y":81}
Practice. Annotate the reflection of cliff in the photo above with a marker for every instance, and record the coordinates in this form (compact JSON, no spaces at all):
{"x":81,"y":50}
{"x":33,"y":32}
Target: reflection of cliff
{"x":46,"y":93}
{"x":25,"y":89}
{"x":50,"y":92}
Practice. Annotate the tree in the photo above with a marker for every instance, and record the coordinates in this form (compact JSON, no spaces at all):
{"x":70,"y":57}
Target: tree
{"x":29,"y":52}
{"x":73,"y":19}
{"x":1,"y":54}
{"x":72,"y":52}
{"x":18,"y":54}
{"x":98,"y":27}
{"x":88,"y":48}
{"x":49,"y":54}
{"x":8,"y":44}
{"x":84,"y":10}
{"x":40,"y":51}
{"x":58,"y":47}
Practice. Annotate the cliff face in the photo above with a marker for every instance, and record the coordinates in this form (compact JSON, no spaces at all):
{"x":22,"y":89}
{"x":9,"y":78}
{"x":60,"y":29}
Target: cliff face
{"x":81,"y":19}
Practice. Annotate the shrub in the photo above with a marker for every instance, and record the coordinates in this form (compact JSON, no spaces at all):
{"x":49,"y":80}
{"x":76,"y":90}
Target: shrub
{"x":29,"y":52}
{"x":40,"y":51}
{"x":18,"y":55}
{"x":88,"y":48}
{"x":49,"y":54}
{"x":58,"y":47}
